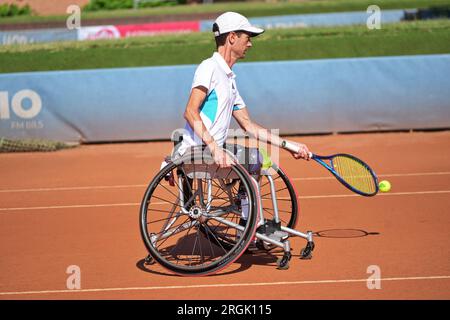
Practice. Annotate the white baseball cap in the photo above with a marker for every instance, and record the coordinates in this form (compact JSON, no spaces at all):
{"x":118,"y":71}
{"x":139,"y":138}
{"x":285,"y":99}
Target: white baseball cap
{"x":232,"y":21}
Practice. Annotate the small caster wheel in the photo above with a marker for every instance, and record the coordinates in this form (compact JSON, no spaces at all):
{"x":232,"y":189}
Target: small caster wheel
{"x":283,"y":262}
{"x":306,"y":252}
{"x":149,"y":260}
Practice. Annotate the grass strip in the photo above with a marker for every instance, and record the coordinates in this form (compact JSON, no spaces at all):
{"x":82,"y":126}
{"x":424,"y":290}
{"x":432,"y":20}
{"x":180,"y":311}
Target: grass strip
{"x":406,"y":38}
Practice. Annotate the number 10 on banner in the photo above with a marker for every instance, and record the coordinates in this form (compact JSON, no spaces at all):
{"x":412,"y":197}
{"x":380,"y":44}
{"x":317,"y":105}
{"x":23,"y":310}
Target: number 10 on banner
{"x":17,"y":104}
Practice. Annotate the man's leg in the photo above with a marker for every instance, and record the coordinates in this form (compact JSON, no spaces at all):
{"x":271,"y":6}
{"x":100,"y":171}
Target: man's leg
{"x":251,"y":160}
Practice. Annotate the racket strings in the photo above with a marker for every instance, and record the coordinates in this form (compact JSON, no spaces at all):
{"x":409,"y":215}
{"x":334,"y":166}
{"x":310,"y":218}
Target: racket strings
{"x":355,"y":174}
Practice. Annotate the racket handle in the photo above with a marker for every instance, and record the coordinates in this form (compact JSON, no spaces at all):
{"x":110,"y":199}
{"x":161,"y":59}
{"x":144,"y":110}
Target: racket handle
{"x":289,"y":146}
{"x":293,"y":147}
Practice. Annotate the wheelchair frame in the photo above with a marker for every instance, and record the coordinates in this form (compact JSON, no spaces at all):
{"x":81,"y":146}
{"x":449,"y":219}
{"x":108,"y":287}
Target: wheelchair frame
{"x":266,"y":234}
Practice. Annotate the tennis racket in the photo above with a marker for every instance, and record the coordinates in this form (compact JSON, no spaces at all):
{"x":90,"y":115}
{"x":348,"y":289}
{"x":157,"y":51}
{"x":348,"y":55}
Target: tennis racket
{"x":352,"y":172}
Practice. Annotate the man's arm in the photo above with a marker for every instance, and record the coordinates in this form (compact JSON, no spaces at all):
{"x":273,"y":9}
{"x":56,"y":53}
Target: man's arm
{"x":260,"y":133}
{"x":192,"y":116}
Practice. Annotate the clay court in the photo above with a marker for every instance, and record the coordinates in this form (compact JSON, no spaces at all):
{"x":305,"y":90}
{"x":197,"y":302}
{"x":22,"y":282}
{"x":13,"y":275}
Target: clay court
{"x":81,"y":207}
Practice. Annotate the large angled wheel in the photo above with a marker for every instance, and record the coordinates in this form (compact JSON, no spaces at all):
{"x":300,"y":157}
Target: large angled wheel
{"x":189,"y":207}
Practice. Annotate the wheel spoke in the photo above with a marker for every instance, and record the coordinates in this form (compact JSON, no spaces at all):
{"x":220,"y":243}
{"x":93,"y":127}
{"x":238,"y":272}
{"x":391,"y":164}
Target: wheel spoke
{"x":208,"y":231}
{"x":175,"y":229}
{"x":178,"y":242}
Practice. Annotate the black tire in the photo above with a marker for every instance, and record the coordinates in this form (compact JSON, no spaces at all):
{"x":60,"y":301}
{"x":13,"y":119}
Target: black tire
{"x":186,"y":244}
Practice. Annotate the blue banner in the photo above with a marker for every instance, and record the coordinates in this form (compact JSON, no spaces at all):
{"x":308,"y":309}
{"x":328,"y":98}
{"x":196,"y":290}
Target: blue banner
{"x":36,"y":36}
{"x":314,"y":96}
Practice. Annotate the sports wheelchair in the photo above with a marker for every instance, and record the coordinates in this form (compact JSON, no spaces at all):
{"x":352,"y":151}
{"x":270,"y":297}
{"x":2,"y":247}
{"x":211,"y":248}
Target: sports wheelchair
{"x":197,"y":218}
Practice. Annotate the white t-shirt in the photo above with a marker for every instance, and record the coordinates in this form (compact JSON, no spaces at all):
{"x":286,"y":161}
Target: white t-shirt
{"x":221,"y":100}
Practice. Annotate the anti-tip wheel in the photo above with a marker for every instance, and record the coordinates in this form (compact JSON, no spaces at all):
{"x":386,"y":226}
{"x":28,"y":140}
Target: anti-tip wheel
{"x":283,"y":262}
{"x":306,"y":252}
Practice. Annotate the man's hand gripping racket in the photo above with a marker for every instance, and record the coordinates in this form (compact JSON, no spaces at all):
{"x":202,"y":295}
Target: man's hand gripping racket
{"x":352,"y":172}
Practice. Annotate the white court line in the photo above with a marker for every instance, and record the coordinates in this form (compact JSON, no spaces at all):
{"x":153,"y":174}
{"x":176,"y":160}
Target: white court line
{"x":138,"y":204}
{"x":73,"y":188}
{"x":144,"y":185}
{"x":75,"y":206}
{"x":225,"y":285}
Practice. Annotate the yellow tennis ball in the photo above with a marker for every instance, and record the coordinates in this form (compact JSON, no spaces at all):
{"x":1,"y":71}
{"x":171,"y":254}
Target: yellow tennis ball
{"x":267,"y":162}
{"x":384,"y":186}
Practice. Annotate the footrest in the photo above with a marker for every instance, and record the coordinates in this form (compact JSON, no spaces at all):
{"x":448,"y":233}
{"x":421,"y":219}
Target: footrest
{"x":273,"y":231}
{"x":278,"y":236}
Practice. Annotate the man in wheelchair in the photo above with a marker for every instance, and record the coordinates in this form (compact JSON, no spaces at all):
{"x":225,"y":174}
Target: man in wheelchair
{"x":226,"y":206}
{"x":215,"y":98}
